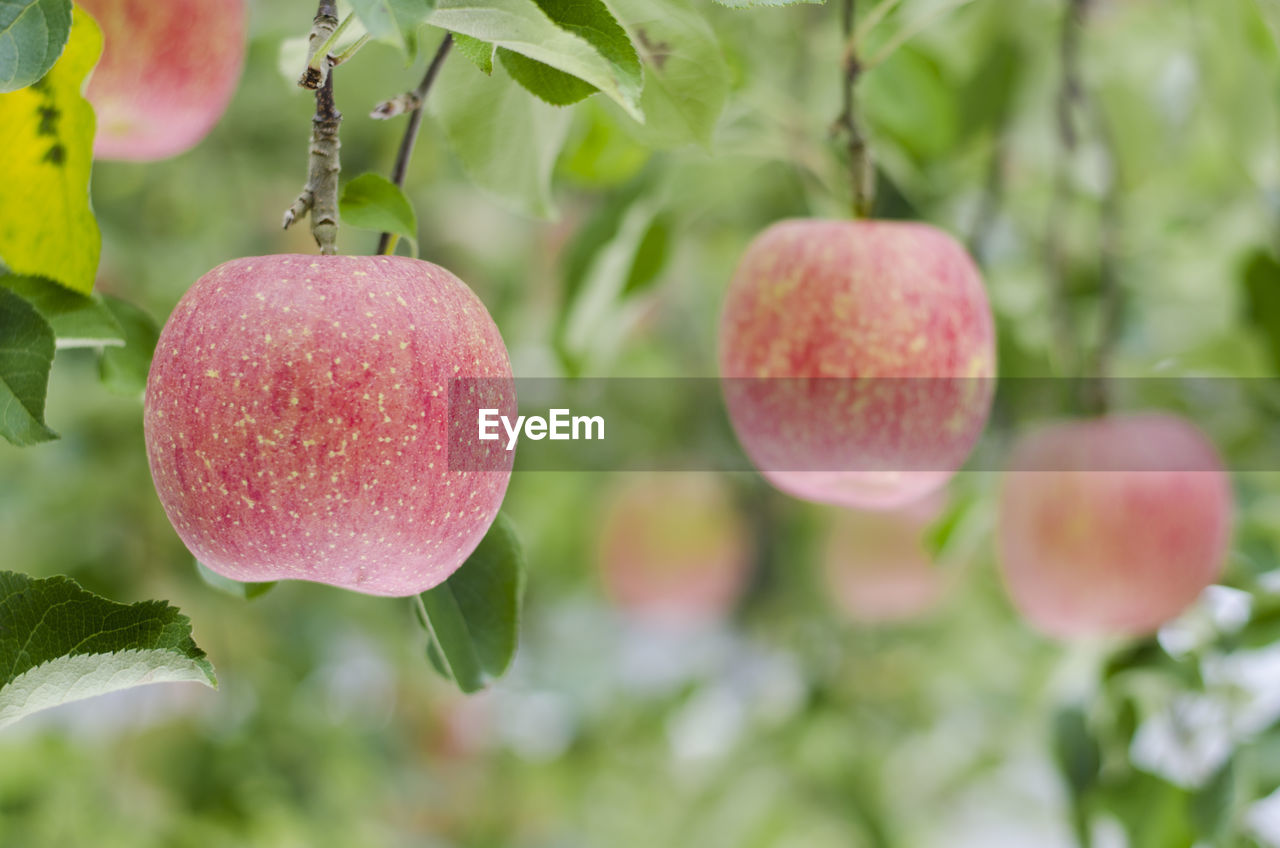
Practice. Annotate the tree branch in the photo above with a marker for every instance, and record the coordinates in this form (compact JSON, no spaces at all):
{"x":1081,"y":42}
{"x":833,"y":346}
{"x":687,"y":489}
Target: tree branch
{"x":324,"y":30}
{"x":1070,"y":96}
{"x":320,"y":194}
{"x":1111,"y":308}
{"x":862,"y":170}
{"x":410,"y":102}
{"x":993,"y":190}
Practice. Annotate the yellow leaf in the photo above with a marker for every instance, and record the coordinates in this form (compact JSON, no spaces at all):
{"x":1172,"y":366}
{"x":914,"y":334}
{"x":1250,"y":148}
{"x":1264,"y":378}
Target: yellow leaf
{"x":47,"y":227}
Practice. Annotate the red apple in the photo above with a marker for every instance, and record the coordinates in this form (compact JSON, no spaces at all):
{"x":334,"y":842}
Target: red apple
{"x":297,"y":421}
{"x":857,"y":359}
{"x":875,"y":564}
{"x":672,"y":547}
{"x":1113,"y":525}
{"x":167,"y":73}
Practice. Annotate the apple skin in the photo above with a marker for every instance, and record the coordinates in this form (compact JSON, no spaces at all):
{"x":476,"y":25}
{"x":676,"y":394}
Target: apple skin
{"x":876,"y":567}
{"x":858,"y":311}
{"x":1112,"y":526}
{"x":297,"y":421}
{"x":673,"y":549}
{"x":168,"y":71}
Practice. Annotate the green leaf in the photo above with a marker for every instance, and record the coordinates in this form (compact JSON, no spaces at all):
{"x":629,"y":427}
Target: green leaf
{"x":1260,"y":277}
{"x":1079,"y":761}
{"x":908,"y":100}
{"x":244,"y":591}
{"x":393,"y":21}
{"x":124,"y":369}
{"x":1154,"y":812}
{"x":753,"y":4}
{"x":473,"y":618}
{"x":77,"y":320}
{"x":26,"y":355}
{"x":481,"y":115}
{"x":650,"y":256}
{"x":1263,"y":627}
{"x":601,"y":151}
{"x":988,"y":95}
{"x":373,"y":202}
{"x":592,"y":20}
{"x":600,"y":266}
{"x":1075,"y":750}
{"x":686,"y":78}
{"x":520,"y":26}
{"x":32,"y":36}
{"x":941,"y":531}
{"x":1215,"y":805}
{"x":61,"y":643}
{"x":543,"y":81}
{"x":47,"y":228}
{"x":479,"y":53}
{"x":1270,"y":12}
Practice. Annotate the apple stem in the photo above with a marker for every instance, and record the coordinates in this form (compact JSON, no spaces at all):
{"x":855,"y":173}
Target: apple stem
{"x":410,"y":102}
{"x":319,"y":196}
{"x":861,"y":167}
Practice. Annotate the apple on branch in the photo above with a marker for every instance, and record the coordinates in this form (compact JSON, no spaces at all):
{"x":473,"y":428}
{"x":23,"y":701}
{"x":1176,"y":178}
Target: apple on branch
{"x":1112,"y":526}
{"x":857,"y":359}
{"x":167,"y":72}
{"x":876,"y":567}
{"x":297,"y":421}
{"x":672,"y":548}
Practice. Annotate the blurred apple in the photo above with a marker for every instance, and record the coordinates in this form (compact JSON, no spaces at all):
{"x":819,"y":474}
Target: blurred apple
{"x":673,"y":548}
{"x":875,"y":564}
{"x":1113,"y":525}
{"x":297,"y":421}
{"x":167,"y":73}
{"x":857,"y":359}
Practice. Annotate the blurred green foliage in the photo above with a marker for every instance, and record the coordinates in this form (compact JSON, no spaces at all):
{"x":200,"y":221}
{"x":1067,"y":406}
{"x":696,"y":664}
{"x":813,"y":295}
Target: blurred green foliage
{"x":785,"y":726}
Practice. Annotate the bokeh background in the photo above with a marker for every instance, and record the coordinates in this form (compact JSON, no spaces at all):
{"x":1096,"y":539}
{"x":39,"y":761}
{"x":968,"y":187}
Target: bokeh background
{"x":774,"y":708}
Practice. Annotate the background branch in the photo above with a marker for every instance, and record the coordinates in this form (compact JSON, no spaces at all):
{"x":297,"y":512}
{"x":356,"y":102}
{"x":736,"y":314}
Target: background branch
{"x":1070,"y":94}
{"x":410,"y":102}
{"x":1111,"y":311}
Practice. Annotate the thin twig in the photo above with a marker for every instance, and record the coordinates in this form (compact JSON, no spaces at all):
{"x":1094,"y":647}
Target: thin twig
{"x":415,"y":99}
{"x":862,"y":171}
{"x":319,"y":196}
{"x":993,"y":190}
{"x":874,"y":17}
{"x":911,"y":31}
{"x":1070,"y":93}
{"x":1111,"y":308}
